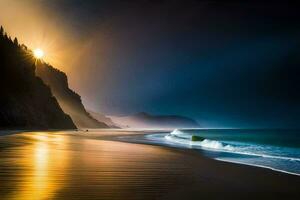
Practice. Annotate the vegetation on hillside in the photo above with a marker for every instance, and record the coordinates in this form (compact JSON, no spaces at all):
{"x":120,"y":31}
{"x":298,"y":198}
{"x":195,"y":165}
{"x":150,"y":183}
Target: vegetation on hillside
{"x":26,"y":102}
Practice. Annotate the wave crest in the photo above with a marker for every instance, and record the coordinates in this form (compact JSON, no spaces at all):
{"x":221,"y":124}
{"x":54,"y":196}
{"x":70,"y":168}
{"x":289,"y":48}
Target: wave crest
{"x":213,"y":144}
{"x":180,"y":137}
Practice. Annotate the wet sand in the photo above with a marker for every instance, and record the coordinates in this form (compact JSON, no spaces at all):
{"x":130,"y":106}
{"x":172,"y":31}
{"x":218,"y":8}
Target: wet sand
{"x":93,"y":165}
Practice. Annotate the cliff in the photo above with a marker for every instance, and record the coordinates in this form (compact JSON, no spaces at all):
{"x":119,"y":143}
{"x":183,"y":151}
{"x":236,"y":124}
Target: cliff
{"x":69,"y":101}
{"x":26,"y":102}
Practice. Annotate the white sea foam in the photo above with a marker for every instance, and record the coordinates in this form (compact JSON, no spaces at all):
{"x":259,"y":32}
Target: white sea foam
{"x":180,"y":134}
{"x":180,"y":137}
{"x":279,"y":158}
{"x":213,"y":144}
{"x":255,"y":165}
{"x":265,"y":155}
{"x":183,"y":138}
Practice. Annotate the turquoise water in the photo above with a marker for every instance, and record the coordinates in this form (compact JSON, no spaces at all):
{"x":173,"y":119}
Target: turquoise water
{"x":275,"y":149}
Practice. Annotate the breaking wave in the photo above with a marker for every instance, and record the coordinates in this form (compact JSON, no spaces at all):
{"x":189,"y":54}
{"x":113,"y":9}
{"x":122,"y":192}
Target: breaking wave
{"x":238,"y":146}
{"x":180,"y":137}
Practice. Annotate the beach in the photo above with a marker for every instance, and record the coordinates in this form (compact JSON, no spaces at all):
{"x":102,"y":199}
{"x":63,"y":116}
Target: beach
{"x":98,"y":165}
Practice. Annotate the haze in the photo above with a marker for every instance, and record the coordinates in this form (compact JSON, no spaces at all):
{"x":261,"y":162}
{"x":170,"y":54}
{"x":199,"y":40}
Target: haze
{"x":226,"y":65}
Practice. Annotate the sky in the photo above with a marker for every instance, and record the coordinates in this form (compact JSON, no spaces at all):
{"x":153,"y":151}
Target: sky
{"x":225,"y":64}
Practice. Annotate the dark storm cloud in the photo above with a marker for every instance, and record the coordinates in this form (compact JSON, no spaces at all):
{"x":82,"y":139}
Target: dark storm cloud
{"x":225,"y":63}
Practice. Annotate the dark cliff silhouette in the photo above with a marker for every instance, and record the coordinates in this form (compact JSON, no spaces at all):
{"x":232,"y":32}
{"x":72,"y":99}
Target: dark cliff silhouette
{"x":26,"y":102}
{"x":69,"y":101}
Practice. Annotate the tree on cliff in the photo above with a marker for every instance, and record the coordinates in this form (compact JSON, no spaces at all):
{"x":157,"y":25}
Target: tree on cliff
{"x":26,"y":102}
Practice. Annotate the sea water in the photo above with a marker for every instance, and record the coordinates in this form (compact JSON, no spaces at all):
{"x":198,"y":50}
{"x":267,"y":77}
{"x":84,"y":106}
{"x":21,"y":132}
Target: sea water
{"x":275,"y":149}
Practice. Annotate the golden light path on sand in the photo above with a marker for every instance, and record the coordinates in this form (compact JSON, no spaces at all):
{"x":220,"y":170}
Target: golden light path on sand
{"x":45,"y":165}
{"x":42,"y":163}
{"x":81,"y":165}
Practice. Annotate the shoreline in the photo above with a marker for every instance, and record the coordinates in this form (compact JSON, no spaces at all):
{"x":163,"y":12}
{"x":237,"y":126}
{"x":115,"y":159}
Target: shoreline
{"x":144,"y":132}
{"x":260,"y":166}
{"x":93,"y":165}
{"x":148,"y":142}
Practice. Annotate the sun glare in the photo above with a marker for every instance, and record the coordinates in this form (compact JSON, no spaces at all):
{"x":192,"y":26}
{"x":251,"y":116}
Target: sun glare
{"x":38,"y":53}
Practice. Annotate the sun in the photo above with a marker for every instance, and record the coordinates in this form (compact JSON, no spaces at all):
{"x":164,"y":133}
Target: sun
{"x":38,"y":53}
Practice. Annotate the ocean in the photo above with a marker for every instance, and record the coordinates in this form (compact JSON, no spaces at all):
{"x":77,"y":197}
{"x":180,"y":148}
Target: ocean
{"x":275,"y":149}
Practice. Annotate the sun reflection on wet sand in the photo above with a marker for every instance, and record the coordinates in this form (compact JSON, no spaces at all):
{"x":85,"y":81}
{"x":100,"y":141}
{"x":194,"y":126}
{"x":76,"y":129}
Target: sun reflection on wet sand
{"x":40,"y":169}
{"x":66,"y":166}
{"x":80,"y":165}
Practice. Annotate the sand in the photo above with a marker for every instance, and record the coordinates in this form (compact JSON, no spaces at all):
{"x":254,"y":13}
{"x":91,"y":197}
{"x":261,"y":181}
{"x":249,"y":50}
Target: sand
{"x":93,"y":165}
